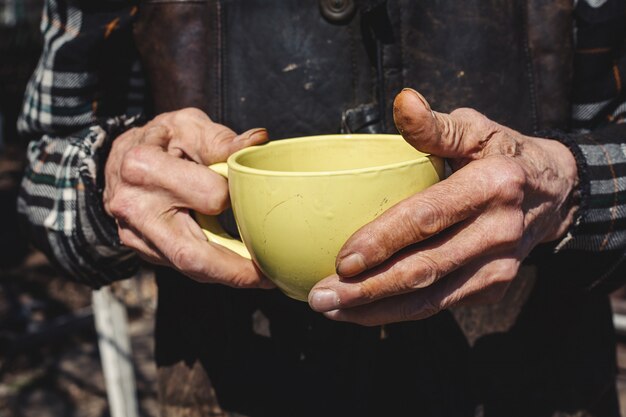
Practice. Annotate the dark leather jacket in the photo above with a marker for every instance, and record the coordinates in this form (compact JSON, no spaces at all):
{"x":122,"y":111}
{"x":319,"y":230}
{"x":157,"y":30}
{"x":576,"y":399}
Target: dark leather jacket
{"x":302,"y":67}
{"x":286,"y":66}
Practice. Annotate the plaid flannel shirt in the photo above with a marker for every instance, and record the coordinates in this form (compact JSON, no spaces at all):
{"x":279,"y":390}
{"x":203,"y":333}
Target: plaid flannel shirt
{"x":88,"y":86}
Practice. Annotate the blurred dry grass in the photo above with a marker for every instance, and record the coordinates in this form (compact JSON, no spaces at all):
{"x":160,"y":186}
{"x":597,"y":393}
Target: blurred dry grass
{"x":49,"y":362}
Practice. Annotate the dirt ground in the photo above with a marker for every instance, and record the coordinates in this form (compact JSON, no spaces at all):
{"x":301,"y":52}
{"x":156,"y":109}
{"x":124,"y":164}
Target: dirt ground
{"x":49,"y":363}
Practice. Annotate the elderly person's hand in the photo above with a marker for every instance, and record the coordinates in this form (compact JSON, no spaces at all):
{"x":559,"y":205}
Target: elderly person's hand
{"x":156,"y":174}
{"x":462,"y":240}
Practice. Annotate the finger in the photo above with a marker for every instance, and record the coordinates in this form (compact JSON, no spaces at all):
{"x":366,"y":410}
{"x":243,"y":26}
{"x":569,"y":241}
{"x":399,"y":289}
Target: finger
{"x":477,"y":284}
{"x":465,"y":193}
{"x":130,"y":238}
{"x":251,"y":137}
{"x":483,"y":282}
{"x":188,"y":184}
{"x":179,"y":240}
{"x":219,"y":142}
{"x":464,"y":133}
{"x":188,"y":230}
{"x":180,"y":132}
{"x":156,"y":134}
{"x":191,"y":134}
{"x":422,"y":265}
{"x":207,"y":142}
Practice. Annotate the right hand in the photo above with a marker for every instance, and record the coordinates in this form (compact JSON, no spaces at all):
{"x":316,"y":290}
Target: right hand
{"x":156,"y":174}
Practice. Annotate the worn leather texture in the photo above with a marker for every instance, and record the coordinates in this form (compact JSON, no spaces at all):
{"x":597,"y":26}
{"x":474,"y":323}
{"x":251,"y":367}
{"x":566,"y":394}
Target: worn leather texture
{"x":214,"y":56}
{"x":179,"y":45}
{"x":551,"y":55}
{"x":283,"y":65}
{"x":470,"y":56}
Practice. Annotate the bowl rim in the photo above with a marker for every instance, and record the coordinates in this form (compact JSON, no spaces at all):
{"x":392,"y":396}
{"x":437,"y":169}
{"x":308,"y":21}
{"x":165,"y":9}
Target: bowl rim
{"x":234,"y":165}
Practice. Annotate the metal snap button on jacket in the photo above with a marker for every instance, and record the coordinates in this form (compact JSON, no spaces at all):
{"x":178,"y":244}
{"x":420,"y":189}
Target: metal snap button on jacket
{"x":337,"y":11}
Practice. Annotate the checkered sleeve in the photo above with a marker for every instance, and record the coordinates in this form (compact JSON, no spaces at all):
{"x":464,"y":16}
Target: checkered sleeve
{"x":601,"y":221}
{"x":79,"y":99}
{"x":61,"y":200}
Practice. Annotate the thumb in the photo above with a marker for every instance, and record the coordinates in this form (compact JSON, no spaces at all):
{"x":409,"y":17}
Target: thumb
{"x":460,"y":134}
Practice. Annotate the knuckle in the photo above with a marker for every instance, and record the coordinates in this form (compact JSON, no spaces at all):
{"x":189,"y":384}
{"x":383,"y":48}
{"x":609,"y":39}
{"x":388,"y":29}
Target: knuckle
{"x":132,"y":133}
{"x":425,"y":273}
{"x":158,"y":129}
{"x":120,"y":142}
{"x":426,"y":221}
{"x":163,"y":119}
{"x":506,"y":179}
{"x":216,"y":201}
{"x":368,"y":290}
{"x":193,"y":112}
{"x":186,"y":116}
{"x":136,"y":166}
{"x":501,"y":276}
{"x":411,"y":311}
{"x":183,"y":259}
{"x":180,"y":117}
{"x":505,"y":271}
{"x":121,"y":207}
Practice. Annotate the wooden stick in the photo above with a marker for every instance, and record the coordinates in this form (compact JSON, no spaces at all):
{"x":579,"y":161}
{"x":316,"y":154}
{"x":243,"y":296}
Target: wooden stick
{"x":115,"y":353}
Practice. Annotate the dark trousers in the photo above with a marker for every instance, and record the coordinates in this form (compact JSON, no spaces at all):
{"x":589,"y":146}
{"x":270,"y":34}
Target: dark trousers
{"x":254,"y":353}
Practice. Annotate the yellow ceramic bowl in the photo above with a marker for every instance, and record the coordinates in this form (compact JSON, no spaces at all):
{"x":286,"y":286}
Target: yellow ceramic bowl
{"x":296,"y":201}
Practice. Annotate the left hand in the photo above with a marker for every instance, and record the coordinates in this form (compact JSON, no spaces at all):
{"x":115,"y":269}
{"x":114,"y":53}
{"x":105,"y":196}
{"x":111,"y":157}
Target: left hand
{"x":462,"y":240}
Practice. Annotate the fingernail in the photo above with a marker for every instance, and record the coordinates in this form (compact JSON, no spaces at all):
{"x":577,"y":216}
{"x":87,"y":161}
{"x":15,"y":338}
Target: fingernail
{"x":332,"y":314}
{"x":323,"y":300}
{"x":257,"y":133}
{"x":420,"y":97}
{"x":351,"y":265}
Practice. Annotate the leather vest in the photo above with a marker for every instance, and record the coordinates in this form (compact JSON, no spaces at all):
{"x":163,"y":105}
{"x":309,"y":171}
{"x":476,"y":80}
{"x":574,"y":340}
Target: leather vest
{"x":307,"y":67}
{"x":289,"y":66}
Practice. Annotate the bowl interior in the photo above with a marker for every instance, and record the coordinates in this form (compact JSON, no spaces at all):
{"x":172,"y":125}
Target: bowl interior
{"x":324,"y":154}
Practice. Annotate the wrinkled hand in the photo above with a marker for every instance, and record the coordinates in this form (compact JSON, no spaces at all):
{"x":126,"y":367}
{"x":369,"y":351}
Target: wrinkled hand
{"x":460,"y":241}
{"x":156,"y":174}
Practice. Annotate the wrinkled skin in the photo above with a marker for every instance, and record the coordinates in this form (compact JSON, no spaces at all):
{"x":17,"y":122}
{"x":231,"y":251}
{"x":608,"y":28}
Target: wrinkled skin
{"x":462,"y":240}
{"x":155,"y":175}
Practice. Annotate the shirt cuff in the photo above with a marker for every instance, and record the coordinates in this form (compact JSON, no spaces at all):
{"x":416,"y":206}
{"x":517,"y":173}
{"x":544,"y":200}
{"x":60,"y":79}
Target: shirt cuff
{"x":592,"y":253}
{"x":91,"y":173}
{"x":600,"y":222}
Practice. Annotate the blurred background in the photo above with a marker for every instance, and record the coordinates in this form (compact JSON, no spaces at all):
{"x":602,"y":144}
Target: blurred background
{"x":50,"y":359}
{"x":50,"y":362}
